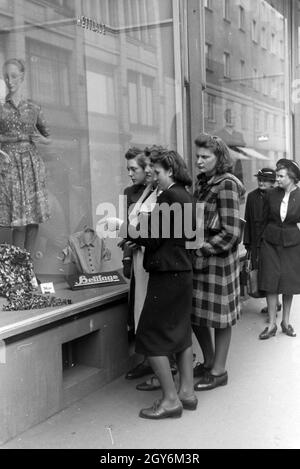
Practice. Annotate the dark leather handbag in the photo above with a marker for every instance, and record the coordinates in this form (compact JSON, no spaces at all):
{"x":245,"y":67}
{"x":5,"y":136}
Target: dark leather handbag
{"x":252,"y":282}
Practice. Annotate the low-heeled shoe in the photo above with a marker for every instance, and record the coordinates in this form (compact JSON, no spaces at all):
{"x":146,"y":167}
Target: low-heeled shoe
{"x":189,"y":403}
{"x":199,"y":370}
{"x":266,"y":334}
{"x":152,"y":384}
{"x":157,"y":412}
{"x":209,"y":381}
{"x":288,"y":330}
{"x":139,"y":371}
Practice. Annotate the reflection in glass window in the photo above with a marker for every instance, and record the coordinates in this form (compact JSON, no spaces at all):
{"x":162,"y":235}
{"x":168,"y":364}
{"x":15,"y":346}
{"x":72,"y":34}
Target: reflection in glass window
{"x":133,"y":98}
{"x":49,"y":74}
{"x":254,"y":31}
{"x":244,"y":117}
{"x":208,"y":56}
{"x":208,"y":4}
{"x":211,"y":108}
{"x":226,"y":9}
{"x":242,"y":18}
{"x":226,"y":63}
{"x":273,"y":43}
{"x":101,"y":95}
{"x":263,"y":37}
{"x":147,"y":101}
{"x":242,"y":72}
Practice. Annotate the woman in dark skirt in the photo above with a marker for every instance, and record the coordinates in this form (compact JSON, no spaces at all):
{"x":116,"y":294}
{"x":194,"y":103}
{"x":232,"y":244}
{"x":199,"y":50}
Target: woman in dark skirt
{"x":280,"y":250}
{"x":165,"y":323}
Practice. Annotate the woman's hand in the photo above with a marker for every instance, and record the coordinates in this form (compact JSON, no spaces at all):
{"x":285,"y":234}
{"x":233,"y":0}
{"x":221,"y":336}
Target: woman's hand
{"x":112,"y":224}
{"x":39,"y":138}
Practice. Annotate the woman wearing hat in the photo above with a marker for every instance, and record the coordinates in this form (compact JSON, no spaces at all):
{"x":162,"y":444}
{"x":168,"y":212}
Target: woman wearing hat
{"x":266,"y":178}
{"x":279,"y":263}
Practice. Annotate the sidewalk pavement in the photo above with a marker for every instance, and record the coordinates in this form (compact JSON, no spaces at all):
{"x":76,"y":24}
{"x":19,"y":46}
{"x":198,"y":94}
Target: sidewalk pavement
{"x":259,"y":408}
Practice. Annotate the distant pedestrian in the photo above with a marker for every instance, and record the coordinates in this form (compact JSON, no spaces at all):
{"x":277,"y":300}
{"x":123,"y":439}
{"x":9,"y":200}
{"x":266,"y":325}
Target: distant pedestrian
{"x":266,"y":178}
{"x":279,"y":264}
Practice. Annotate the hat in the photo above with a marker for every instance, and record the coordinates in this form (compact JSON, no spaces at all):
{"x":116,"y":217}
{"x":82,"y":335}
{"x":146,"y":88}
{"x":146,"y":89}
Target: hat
{"x":266,"y":173}
{"x":289,"y":164}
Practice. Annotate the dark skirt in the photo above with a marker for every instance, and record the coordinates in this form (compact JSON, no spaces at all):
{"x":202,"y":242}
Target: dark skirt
{"x":279,"y":269}
{"x":165,"y":324}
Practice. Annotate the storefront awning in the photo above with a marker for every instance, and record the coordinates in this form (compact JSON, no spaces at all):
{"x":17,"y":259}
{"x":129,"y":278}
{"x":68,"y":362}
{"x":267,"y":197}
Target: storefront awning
{"x":236,"y":155}
{"x":252,"y":153}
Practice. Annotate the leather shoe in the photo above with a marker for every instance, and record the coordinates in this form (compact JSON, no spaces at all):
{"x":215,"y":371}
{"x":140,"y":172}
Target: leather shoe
{"x":209,"y":381}
{"x":288,"y":330}
{"x":157,"y":412}
{"x":152,"y":384}
{"x":189,"y":403}
{"x":266,"y":333}
{"x":199,"y":370}
{"x":139,"y":371}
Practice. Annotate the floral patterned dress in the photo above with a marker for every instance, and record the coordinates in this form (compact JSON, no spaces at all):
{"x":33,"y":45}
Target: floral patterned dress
{"x":23,"y":194}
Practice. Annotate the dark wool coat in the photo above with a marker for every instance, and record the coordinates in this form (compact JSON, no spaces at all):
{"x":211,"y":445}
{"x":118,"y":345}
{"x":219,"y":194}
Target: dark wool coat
{"x":164,"y":327}
{"x":254,"y":223}
{"x":216,"y":285}
{"x":280,"y":249}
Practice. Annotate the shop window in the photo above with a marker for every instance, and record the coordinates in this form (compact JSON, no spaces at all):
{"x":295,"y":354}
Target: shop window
{"x":49,"y":74}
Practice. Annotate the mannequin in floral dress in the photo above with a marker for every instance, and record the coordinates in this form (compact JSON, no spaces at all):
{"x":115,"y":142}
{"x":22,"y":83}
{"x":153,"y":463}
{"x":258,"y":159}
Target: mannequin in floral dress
{"x":23,"y":195}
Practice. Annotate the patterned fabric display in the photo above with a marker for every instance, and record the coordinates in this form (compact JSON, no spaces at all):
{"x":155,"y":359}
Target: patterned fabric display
{"x":16,"y":281}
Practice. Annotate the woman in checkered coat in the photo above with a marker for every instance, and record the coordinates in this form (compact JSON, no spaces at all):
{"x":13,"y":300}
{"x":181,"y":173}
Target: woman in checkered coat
{"x":216,"y":288}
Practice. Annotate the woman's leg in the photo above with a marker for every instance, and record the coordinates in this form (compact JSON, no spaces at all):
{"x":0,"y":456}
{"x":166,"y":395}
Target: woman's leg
{"x":19,"y":236}
{"x":222,"y":343}
{"x":272,"y":307}
{"x":185,"y":366}
{"x":161,"y":367}
{"x":31,"y":236}
{"x":204,"y":337}
{"x":287,"y":303}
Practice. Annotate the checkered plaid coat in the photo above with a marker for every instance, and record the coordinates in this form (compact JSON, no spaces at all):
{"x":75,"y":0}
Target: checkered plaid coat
{"x":216,"y":286}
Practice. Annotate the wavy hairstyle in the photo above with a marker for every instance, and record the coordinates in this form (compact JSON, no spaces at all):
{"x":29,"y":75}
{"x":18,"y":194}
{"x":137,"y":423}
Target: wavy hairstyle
{"x":219,"y":149}
{"x":170,"y":159}
{"x":20,"y":63}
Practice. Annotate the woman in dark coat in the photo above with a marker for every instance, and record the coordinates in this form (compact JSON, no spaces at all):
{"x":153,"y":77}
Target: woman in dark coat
{"x":165,"y":324}
{"x":216,"y":289}
{"x":280,"y":249}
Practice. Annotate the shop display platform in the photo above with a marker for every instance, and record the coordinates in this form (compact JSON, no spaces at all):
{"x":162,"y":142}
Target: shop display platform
{"x":51,"y":357}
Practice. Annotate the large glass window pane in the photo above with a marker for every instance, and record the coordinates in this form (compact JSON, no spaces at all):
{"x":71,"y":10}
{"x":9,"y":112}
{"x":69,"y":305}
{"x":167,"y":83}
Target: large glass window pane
{"x":99,"y":94}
